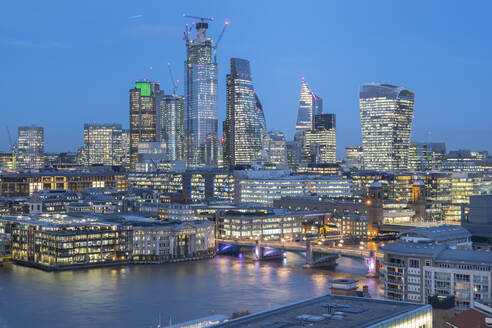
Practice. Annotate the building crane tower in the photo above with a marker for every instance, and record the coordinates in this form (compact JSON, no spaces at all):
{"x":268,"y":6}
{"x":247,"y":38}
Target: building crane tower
{"x":174,"y":82}
{"x":218,"y":40}
{"x":13,"y":150}
{"x":202,"y":19}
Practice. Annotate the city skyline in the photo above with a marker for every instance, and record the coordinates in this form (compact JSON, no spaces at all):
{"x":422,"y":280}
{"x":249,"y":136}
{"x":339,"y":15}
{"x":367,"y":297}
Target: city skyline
{"x":334,"y":78}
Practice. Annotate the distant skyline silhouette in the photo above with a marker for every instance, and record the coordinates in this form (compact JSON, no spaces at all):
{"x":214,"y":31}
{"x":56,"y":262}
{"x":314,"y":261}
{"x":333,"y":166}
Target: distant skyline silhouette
{"x":64,"y":64}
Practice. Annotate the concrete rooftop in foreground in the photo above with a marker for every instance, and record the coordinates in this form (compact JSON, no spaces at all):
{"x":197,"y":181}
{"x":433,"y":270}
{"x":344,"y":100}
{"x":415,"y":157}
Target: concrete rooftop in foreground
{"x":355,"y":312}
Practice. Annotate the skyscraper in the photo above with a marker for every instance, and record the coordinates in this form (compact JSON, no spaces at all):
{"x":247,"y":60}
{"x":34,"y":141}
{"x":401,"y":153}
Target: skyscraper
{"x":170,"y":126}
{"x":309,"y":105}
{"x":145,"y":98}
{"x":244,"y":127}
{"x":320,"y":142}
{"x":276,"y":150}
{"x":386,"y":113}
{"x":30,"y":143}
{"x":200,"y":107}
{"x":102,"y":144}
{"x":354,"y":156}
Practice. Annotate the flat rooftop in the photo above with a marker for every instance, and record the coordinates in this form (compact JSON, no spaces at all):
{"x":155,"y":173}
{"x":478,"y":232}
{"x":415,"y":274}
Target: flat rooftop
{"x":334,"y":311}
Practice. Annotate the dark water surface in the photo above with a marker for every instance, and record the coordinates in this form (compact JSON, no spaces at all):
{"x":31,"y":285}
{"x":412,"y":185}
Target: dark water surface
{"x":133,"y":296}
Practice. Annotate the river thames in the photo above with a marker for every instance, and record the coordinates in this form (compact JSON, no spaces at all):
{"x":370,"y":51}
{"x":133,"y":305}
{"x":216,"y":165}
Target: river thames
{"x":135,"y":296}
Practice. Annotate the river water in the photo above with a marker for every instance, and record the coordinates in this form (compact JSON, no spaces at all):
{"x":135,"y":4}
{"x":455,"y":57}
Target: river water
{"x":135,"y":296}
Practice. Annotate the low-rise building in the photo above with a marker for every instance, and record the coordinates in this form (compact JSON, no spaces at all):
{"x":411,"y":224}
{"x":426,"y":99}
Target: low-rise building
{"x":337,"y":311}
{"x":414,"y":271}
{"x":57,"y":242}
{"x":252,"y":222}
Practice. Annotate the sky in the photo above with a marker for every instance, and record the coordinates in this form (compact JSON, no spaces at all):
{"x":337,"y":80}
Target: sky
{"x":66,"y":63}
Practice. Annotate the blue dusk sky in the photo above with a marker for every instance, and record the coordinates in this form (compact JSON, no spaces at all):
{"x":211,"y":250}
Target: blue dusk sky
{"x":66,"y":63}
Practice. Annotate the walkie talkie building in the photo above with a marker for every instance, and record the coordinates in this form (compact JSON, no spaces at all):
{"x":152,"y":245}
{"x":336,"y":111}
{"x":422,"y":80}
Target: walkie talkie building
{"x":386,"y":113}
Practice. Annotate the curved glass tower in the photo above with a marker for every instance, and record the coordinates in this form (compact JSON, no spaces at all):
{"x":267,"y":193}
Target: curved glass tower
{"x":244,"y":127}
{"x":200,"y":121}
{"x":386,"y":113}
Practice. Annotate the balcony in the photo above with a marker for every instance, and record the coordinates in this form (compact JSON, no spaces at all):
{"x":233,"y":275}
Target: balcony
{"x":394,"y":290}
{"x":394,"y":264}
{"x":394,"y":273}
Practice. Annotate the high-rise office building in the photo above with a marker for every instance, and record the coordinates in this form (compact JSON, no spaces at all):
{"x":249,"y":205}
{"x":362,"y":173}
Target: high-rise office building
{"x":320,"y":142}
{"x":276,"y":150}
{"x":420,"y":156}
{"x":386,"y":113}
{"x":309,"y":105}
{"x":200,"y":104}
{"x":30,"y":143}
{"x":102,"y":144}
{"x":170,"y":126}
{"x":125,"y":148}
{"x":145,"y":98}
{"x":244,"y":127}
{"x":354,"y":156}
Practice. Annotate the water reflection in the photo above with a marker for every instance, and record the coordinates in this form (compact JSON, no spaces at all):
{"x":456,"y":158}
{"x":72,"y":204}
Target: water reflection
{"x":133,"y":296}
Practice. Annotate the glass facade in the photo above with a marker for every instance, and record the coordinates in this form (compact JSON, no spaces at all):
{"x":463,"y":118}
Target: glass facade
{"x":275,"y":147}
{"x":386,"y":113}
{"x":102,"y":144}
{"x":200,"y":103}
{"x":170,"y":126}
{"x":320,"y":142}
{"x":143,"y":115}
{"x":244,"y":127}
{"x":30,"y":144}
{"x":309,"y":105}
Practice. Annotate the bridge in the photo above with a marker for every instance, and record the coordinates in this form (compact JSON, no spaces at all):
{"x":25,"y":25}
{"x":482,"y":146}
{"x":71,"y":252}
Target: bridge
{"x":316,"y":255}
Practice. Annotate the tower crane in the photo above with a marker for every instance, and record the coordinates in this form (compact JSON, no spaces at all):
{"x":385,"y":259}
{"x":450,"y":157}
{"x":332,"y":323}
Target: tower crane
{"x":218,"y":40}
{"x":13,"y":149}
{"x":175,"y":83}
{"x":202,"y":19}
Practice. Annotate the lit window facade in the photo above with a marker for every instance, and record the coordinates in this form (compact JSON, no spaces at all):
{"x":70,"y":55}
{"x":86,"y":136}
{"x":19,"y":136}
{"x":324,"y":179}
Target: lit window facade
{"x":102,"y":144}
{"x":200,"y":103}
{"x":244,"y":127}
{"x":145,"y":98}
{"x":30,"y":143}
{"x":309,"y":105}
{"x":275,"y":147}
{"x":170,"y":125}
{"x":386,"y":113}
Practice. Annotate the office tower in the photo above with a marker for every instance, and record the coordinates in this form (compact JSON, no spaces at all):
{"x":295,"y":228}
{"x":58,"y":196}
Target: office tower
{"x":420,"y":156}
{"x":145,"y":98}
{"x":244,"y":127}
{"x":102,"y":144}
{"x":125,"y":148}
{"x":386,"y":113}
{"x":309,"y":105}
{"x":30,"y":147}
{"x":6,"y":160}
{"x":276,"y":149}
{"x":320,"y":142}
{"x":354,"y":156}
{"x":170,"y":126}
{"x":200,"y":78}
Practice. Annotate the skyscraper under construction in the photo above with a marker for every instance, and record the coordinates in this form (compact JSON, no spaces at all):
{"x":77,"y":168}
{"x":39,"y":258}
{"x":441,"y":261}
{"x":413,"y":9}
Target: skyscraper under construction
{"x":200,"y":106}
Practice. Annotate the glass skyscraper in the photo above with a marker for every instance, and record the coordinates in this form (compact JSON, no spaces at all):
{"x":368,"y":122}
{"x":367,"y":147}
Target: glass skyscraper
{"x":200,"y":104}
{"x":309,"y":105}
{"x":320,"y":142}
{"x":275,"y":147}
{"x":102,"y":144}
{"x":30,"y":143}
{"x":244,"y":127}
{"x":170,"y":126}
{"x":145,"y":98}
{"x":386,"y":113}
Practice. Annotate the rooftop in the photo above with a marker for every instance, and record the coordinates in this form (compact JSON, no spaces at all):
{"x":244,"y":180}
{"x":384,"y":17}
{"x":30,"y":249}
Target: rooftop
{"x":332,"y":311}
{"x":440,"y":253}
{"x":438,"y":233}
